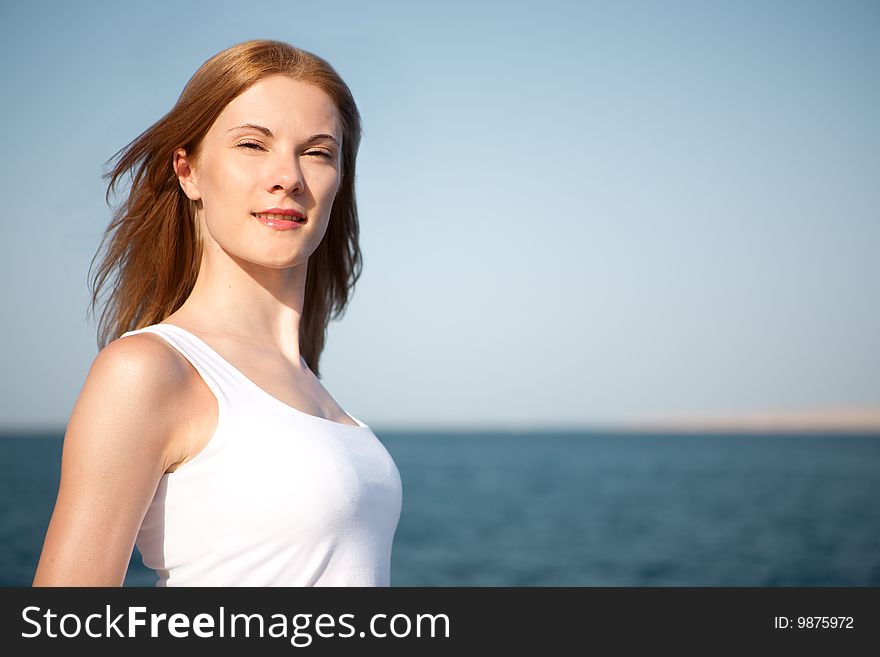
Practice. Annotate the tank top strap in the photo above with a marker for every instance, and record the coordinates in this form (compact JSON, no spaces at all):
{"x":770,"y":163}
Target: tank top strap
{"x":220,"y":377}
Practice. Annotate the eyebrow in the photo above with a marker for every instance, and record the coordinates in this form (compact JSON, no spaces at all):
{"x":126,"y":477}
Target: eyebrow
{"x":268,"y":133}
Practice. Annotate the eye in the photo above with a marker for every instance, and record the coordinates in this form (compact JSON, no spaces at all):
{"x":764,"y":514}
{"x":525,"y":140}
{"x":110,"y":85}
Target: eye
{"x":324,"y":154}
{"x":252,"y":145}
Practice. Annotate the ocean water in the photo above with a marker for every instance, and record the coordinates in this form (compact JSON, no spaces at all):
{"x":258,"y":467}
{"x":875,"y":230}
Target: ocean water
{"x":577,"y":509}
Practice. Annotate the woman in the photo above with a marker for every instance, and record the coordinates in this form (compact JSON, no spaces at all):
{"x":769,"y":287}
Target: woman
{"x":202,"y":433}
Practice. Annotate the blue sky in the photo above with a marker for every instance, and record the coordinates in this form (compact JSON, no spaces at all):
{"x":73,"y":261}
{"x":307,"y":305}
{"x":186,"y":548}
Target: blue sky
{"x":572,"y":213}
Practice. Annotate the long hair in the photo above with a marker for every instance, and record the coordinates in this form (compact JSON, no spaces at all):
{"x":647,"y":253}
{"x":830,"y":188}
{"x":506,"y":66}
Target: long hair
{"x":153,"y":249}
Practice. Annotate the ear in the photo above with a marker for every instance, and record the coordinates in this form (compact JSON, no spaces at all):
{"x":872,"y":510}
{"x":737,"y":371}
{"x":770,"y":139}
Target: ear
{"x":184,"y":167}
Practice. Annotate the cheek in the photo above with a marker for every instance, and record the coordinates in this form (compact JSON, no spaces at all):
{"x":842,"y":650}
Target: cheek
{"x":227,"y":186}
{"x":329,"y":184}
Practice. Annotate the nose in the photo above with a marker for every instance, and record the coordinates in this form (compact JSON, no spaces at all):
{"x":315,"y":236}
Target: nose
{"x":286,"y":175}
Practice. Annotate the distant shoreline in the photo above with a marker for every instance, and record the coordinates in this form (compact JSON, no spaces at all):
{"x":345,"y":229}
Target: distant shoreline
{"x":834,"y":420}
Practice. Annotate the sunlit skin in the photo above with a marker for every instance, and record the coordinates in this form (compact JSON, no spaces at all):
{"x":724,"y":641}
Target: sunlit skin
{"x":252,"y":278}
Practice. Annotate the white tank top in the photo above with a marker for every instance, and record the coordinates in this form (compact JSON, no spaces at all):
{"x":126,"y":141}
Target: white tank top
{"x":277,"y":497}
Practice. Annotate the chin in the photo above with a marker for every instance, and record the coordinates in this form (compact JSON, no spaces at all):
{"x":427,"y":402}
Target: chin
{"x":281,"y":262}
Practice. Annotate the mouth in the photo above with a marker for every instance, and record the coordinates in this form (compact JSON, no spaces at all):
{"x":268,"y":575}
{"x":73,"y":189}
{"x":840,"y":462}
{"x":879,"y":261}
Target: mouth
{"x":277,"y":221}
{"x":279,"y":218}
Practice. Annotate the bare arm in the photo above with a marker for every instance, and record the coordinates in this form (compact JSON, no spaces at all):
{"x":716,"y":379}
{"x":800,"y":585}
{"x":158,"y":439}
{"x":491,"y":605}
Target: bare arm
{"x":117,"y":446}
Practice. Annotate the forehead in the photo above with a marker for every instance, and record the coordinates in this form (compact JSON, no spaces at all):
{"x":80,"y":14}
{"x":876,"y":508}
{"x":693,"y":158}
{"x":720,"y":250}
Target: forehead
{"x":284,"y":105}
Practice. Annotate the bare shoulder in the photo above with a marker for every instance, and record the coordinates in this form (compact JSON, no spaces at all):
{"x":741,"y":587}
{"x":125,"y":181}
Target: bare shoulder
{"x":132,"y":390}
{"x":164,"y":391}
{"x":139,"y":359}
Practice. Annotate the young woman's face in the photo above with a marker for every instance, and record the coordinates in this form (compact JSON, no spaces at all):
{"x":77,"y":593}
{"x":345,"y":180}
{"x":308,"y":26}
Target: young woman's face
{"x":278,"y":145}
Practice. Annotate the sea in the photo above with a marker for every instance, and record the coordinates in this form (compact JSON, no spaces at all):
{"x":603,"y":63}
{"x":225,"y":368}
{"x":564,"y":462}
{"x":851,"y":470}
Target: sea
{"x":553,"y":508}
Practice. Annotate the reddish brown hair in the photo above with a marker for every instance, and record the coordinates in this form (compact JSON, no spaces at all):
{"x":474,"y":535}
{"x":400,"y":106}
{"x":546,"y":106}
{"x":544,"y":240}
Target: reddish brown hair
{"x":153,"y":250}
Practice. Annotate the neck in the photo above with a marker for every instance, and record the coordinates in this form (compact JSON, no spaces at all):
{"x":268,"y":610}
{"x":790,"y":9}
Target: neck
{"x":255,"y":304}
